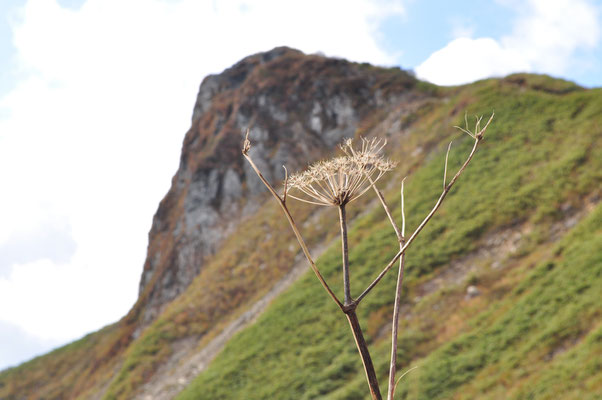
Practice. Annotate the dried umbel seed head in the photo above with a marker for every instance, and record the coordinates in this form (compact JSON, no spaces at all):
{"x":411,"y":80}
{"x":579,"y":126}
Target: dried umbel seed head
{"x":342,"y":179}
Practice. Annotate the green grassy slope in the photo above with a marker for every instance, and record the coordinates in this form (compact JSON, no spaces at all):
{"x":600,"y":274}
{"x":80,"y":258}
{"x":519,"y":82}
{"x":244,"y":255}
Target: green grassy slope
{"x":535,"y":331}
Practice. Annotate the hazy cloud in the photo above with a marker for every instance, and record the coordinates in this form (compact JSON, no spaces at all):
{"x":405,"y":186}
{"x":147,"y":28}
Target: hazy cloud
{"x":547,"y":33}
{"x":52,"y":241}
{"x":18,"y":345}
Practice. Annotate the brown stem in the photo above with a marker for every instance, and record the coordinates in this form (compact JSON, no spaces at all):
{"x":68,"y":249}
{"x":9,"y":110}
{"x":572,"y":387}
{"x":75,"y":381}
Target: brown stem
{"x":362,"y":347}
{"x":345,"y":252}
{"x":289,"y":217}
{"x":354,"y":324}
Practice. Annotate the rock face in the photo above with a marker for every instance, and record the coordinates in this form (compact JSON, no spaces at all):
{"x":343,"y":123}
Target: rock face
{"x":297,"y":108}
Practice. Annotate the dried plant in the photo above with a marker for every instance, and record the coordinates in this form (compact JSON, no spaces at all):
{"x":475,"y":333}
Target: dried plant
{"x":339,"y":181}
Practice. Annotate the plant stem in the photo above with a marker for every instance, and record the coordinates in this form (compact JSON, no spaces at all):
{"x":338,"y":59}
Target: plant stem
{"x":356,"y":329}
{"x":289,"y":217}
{"x":364,"y":353}
{"x":397,"y":304}
{"x":395,"y":327}
{"x":345,"y":251}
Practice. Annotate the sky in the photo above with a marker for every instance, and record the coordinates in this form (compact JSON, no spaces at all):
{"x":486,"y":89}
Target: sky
{"x":96,"y":96}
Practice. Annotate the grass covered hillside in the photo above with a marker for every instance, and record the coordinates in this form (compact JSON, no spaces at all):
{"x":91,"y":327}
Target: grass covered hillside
{"x":523,"y":225}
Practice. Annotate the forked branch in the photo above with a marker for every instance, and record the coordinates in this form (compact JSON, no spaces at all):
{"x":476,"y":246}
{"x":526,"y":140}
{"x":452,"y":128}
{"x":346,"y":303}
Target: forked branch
{"x":478,"y":136}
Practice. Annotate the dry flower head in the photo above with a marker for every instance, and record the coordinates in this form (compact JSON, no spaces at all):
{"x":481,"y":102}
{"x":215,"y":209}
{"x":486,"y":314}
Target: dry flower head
{"x":342,"y":179}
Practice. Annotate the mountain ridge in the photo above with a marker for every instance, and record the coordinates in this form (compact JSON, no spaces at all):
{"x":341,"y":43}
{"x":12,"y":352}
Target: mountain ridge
{"x":198,"y":285}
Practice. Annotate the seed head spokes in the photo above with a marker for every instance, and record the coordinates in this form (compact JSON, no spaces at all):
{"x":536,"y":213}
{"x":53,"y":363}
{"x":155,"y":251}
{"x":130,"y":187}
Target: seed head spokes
{"x":343,"y":179}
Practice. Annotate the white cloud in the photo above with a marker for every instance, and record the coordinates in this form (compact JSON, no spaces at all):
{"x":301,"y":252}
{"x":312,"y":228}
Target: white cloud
{"x":465,"y":60}
{"x":91,"y":134}
{"x":545,"y":37}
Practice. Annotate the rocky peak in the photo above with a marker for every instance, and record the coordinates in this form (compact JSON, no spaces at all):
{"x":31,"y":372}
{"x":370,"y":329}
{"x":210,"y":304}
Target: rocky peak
{"x":233,"y":77}
{"x":297,"y":107}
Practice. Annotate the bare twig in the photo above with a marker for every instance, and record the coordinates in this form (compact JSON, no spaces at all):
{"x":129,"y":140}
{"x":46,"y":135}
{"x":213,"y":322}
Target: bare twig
{"x":478,"y":136}
{"x":446,"y":157}
{"x":397,"y":303}
{"x":465,"y":130}
{"x":402,"y":375}
{"x":403,"y":211}
{"x":285,"y":185}
{"x":387,"y":210}
{"x":289,"y":217}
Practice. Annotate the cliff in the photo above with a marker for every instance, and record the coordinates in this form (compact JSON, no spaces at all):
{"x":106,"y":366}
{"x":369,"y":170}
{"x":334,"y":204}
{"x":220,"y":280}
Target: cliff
{"x":297,"y":107}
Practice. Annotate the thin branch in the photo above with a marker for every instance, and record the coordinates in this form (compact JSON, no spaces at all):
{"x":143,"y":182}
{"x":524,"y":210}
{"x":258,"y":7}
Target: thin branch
{"x":397,"y":305}
{"x":306,"y":201}
{"x":312,"y":264}
{"x":481,"y":132}
{"x":285,"y":184}
{"x":446,"y":157}
{"x":466,"y":130}
{"x":403,"y":212}
{"x":420,"y":227}
{"x":386,"y":208}
{"x":404,"y":374}
{"x":478,"y":137}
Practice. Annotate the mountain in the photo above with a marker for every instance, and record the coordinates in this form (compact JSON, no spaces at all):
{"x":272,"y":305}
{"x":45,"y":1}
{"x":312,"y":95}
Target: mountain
{"x":502,"y":294}
{"x":298,"y":109}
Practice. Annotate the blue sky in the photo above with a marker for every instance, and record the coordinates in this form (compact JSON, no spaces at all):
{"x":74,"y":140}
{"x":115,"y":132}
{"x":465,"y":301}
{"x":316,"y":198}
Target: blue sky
{"x":429,"y":25}
{"x":96,"y":95}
